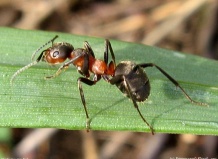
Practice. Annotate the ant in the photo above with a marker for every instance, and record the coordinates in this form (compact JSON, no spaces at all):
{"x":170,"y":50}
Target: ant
{"x":128,"y":76}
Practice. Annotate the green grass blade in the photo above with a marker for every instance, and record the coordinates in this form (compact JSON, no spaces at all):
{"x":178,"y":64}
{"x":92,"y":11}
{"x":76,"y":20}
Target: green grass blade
{"x":33,"y":102}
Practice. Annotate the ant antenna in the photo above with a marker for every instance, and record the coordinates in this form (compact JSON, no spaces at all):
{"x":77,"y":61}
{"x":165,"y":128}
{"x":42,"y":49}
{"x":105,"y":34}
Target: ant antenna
{"x":50,"y":41}
{"x":34,"y":62}
{"x":21,"y":70}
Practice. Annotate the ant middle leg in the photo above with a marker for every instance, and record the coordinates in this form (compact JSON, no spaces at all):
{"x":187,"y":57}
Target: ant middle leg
{"x":172,"y":80}
{"x":90,"y":83}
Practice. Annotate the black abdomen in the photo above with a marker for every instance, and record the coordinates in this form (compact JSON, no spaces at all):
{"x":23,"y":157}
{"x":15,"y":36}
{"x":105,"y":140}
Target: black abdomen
{"x":136,"y":78}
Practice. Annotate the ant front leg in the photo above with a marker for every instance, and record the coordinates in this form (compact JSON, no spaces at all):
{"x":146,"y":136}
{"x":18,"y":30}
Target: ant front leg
{"x":64,"y":66}
{"x":90,"y":83}
{"x":172,"y":80}
{"x":122,"y":78}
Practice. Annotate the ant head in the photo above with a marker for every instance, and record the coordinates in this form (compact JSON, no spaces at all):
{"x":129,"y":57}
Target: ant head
{"x":58,"y":53}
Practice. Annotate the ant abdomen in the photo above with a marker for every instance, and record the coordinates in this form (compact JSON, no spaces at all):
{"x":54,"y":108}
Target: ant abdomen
{"x":136,"y":78}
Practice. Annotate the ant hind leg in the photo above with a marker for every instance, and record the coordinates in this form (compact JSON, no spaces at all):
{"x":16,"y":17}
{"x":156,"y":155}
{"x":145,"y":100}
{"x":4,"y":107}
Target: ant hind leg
{"x":173,"y":81}
{"x":114,"y":80}
{"x":136,"y":105}
{"x":108,"y":47}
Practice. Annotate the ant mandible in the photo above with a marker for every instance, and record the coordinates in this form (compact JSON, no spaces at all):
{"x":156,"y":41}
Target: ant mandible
{"x":128,"y":76}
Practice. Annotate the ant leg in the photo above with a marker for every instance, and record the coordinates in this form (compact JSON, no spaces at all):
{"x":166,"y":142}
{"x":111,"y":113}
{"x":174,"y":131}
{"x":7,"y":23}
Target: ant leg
{"x":106,"y":51}
{"x":84,"y":71}
{"x":85,"y":68}
{"x":64,"y":66}
{"x":108,"y":47}
{"x":172,"y":80}
{"x":90,"y":83}
{"x":116,"y":79}
{"x":89,"y":48}
{"x":136,"y":105}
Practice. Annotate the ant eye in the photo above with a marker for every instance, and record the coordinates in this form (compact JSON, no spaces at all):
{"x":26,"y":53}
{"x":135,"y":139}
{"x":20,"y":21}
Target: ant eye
{"x":55,"y":54}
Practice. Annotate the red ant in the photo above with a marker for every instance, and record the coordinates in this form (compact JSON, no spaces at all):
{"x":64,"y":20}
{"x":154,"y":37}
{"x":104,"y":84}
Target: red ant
{"x":129,"y":77}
